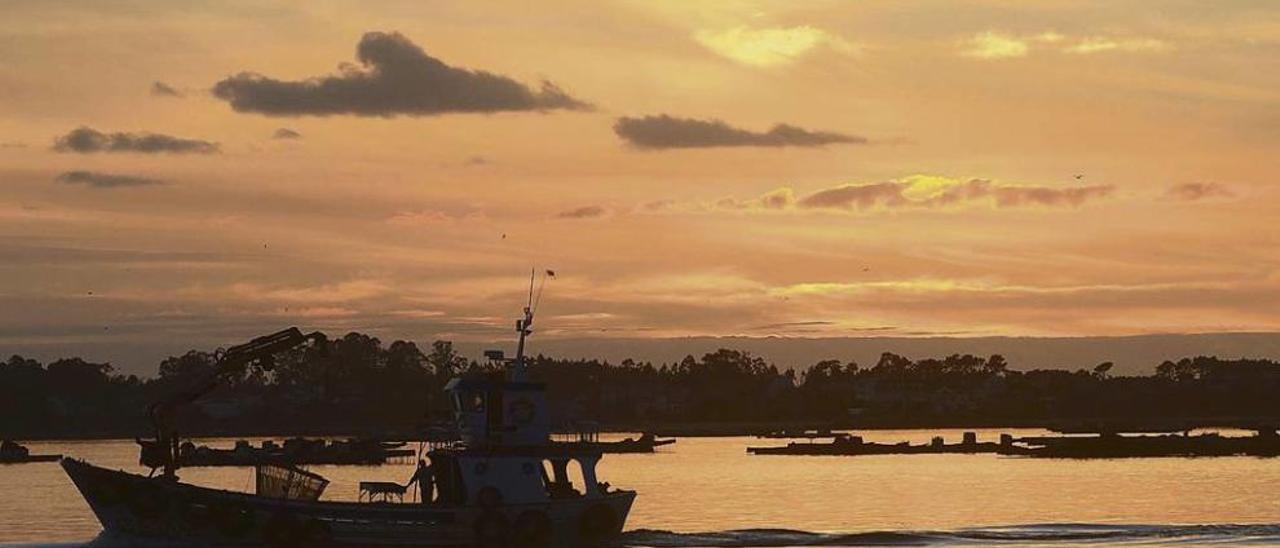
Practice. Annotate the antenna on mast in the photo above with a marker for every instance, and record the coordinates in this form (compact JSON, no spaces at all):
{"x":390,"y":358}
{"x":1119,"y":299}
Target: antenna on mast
{"x":524,"y":325}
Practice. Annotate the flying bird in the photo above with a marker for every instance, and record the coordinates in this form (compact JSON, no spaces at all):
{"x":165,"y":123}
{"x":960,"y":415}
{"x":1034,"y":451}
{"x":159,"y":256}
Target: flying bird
{"x":1078,"y":177}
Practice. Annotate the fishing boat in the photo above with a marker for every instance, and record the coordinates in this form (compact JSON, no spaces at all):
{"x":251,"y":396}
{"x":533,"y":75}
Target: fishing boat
{"x":502,"y":484}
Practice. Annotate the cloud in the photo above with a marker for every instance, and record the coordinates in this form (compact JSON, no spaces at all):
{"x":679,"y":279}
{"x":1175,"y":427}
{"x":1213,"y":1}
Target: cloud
{"x":917,"y":191}
{"x":663,"y":131}
{"x":991,"y":45}
{"x":161,"y":89}
{"x":396,"y":77}
{"x":12,"y":144}
{"x":88,"y":140}
{"x":433,"y":217}
{"x":585,"y":212}
{"x":768,"y":47}
{"x":932,"y":192}
{"x":1192,"y":192}
{"x":286,"y":133}
{"x":94,"y":179}
{"x":1102,"y":44}
{"x":658,"y":205}
{"x":865,"y":196}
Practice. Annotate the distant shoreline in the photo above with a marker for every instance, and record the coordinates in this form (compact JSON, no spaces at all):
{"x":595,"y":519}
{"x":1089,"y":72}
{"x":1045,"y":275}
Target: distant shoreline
{"x":725,"y":429}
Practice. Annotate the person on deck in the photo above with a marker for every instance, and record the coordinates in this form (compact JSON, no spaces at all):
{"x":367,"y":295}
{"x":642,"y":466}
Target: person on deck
{"x":425,"y":479}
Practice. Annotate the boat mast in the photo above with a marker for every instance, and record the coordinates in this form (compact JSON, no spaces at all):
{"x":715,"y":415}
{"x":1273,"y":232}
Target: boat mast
{"x":523,"y":327}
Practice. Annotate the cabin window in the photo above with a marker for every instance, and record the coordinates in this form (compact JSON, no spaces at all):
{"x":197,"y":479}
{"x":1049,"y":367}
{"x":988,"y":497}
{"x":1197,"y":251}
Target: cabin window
{"x":576,"y":476}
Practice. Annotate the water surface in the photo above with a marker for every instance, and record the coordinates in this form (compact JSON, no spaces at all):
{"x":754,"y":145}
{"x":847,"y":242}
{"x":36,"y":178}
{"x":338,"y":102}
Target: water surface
{"x":710,"y":492}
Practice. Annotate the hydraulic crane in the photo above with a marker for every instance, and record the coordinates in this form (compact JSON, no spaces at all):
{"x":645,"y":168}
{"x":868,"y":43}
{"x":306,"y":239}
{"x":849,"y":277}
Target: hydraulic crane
{"x":162,"y":451}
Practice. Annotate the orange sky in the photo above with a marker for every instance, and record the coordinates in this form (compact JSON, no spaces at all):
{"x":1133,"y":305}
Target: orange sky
{"x":987,"y":167}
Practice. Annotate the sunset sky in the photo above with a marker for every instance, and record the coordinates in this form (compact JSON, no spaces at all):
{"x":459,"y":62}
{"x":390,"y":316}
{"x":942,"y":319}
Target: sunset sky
{"x":187,"y":174}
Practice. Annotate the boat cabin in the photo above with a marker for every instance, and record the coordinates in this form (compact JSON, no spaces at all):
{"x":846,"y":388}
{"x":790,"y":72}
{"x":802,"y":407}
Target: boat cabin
{"x":505,"y":428}
{"x":493,"y":411}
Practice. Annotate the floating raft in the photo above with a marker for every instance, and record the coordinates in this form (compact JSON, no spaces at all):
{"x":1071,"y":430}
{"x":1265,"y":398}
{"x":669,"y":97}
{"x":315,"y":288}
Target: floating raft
{"x":297,"y":451}
{"x":13,"y":453}
{"x":1111,"y":446}
{"x":850,"y":445}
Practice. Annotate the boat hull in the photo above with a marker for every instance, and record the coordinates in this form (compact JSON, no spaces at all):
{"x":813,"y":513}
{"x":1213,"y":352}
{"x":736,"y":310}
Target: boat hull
{"x":137,"y":506}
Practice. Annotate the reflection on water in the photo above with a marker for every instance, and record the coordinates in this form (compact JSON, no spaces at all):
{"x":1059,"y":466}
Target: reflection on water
{"x":712,"y":485}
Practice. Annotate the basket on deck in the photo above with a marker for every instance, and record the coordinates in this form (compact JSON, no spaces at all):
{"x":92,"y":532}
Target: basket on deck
{"x":289,"y":482}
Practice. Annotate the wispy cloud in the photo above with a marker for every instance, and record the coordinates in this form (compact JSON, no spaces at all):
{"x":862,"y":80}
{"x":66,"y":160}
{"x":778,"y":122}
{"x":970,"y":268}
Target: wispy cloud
{"x":584,"y":212}
{"x":917,"y":191}
{"x":1192,"y":192}
{"x":664,"y":131}
{"x":86,"y":140}
{"x":94,"y":179}
{"x":286,"y":134}
{"x":992,"y":45}
{"x":161,"y":89}
{"x":771,"y":46}
{"x":1102,"y":44}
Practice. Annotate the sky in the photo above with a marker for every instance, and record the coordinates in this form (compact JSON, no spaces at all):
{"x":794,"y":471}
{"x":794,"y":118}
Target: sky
{"x":178,"y":175}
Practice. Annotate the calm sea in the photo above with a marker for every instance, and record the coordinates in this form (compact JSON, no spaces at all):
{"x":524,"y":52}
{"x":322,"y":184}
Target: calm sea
{"x":710,"y":492}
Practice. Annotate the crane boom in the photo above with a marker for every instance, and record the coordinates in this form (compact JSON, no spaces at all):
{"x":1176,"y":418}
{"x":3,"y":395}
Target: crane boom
{"x":162,"y":451}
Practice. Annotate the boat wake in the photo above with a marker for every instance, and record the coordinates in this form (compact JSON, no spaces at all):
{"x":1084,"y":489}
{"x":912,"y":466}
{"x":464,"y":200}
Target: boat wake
{"x":1012,"y":535}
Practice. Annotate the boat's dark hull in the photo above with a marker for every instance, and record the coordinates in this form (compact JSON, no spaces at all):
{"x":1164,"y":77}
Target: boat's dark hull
{"x":1113,"y":447}
{"x":135,"y":505}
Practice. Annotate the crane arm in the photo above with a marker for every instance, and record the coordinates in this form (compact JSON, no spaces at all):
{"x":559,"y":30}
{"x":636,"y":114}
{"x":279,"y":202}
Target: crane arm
{"x":161,"y":452}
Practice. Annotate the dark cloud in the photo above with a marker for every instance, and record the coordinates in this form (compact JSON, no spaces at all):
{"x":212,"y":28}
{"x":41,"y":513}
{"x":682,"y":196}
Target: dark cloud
{"x":88,"y":140}
{"x":663,"y":131}
{"x":94,"y":179}
{"x":585,"y":212}
{"x":396,"y":77}
{"x":856,"y":196}
{"x":658,"y":205}
{"x":893,"y":194}
{"x":1191,"y":192}
{"x":161,"y":89}
{"x":286,"y":133}
{"x":790,"y":325}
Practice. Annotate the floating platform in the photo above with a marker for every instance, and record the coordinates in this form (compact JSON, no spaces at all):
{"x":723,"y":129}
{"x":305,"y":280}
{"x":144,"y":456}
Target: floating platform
{"x":641,"y":445}
{"x":1112,"y":446}
{"x":850,"y":445}
{"x":24,"y":459}
{"x":13,"y":453}
{"x":297,"y":451}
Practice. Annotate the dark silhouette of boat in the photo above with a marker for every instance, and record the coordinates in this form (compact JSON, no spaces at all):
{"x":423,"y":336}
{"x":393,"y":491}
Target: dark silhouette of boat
{"x":503,"y":484}
{"x":12,"y":452}
{"x":1265,"y":443}
{"x":850,"y":445}
{"x":296,"y":451}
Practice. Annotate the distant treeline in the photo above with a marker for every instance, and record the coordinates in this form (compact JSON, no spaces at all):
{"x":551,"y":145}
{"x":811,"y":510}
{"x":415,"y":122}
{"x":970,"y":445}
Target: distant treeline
{"x":361,"y":386}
